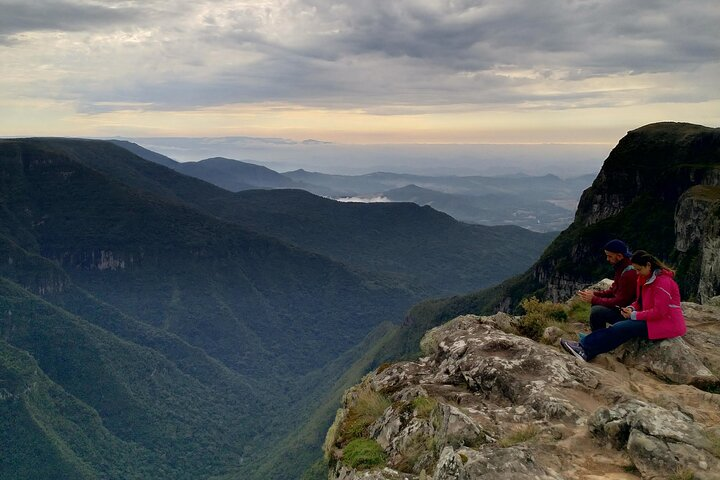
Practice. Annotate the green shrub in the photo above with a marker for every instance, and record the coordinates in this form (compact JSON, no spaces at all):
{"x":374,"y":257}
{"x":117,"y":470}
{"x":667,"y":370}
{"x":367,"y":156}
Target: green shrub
{"x":363,"y":453}
{"x":532,"y":326}
{"x":538,"y":316}
{"x":579,"y":311}
{"x":549,"y":310}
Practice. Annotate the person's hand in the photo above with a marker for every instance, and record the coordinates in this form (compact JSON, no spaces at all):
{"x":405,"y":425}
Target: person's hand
{"x":625,"y":312}
{"x":585,"y":295}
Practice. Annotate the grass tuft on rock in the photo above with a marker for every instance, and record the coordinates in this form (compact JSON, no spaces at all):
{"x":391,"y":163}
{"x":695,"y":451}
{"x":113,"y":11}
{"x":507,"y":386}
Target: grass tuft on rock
{"x":683,"y":474}
{"x":383,"y":366}
{"x":518,"y":436}
{"x":417,"y":454}
{"x":364,"y":453}
{"x":369,"y":405}
{"x":714,"y":443}
{"x":423,"y":406}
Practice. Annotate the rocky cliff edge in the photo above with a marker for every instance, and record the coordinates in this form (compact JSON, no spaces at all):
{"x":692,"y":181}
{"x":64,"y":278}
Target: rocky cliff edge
{"x":487,"y":403}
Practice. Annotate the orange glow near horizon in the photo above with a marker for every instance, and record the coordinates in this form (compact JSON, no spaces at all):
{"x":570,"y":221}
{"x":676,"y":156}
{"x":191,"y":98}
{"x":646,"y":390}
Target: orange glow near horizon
{"x":530,"y":126}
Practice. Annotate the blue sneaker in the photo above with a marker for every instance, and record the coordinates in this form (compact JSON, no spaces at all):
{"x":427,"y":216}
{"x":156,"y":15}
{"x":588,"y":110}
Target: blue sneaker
{"x":574,"y":348}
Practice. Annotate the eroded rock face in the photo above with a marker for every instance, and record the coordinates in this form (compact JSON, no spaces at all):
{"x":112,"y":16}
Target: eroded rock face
{"x":484,"y":403}
{"x":697,"y":226}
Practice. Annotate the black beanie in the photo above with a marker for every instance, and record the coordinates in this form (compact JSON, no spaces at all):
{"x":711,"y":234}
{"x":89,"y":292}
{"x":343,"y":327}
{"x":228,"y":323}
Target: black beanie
{"x":618,"y":246}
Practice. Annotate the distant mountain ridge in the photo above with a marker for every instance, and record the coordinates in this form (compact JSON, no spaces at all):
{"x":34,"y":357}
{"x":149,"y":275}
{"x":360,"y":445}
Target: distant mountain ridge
{"x":230,"y":174}
{"x":373,"y":183}
{"x":146,"y":154}
{"x":488,"y":209}
{"x":543,"y":204}
{"x":130,"y":289}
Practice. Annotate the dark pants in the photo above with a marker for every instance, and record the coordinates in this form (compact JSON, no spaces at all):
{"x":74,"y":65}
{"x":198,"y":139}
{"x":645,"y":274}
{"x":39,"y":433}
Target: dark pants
{"x":600,"y":317}
{"x":606,"y":339}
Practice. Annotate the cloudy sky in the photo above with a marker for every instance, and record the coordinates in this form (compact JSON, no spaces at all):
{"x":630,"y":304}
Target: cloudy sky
{"x":362,"y":71}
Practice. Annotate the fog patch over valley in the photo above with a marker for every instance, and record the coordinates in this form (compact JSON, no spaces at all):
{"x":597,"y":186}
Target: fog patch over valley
{"x":374,"y":199}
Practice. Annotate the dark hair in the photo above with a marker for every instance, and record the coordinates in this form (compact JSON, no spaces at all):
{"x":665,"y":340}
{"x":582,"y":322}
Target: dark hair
{"x":641,"y":257}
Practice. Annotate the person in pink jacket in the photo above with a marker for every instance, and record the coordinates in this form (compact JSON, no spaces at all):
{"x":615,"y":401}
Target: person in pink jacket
{"x":655,"y":315}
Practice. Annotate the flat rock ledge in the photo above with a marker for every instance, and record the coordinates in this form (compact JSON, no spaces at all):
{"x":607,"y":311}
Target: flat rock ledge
{"x":485,"y":403}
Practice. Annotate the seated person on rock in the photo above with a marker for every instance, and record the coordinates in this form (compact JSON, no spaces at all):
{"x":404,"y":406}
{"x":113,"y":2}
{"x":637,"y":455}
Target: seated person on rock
{"x":655,"y":315}
{"x":605,"y":303}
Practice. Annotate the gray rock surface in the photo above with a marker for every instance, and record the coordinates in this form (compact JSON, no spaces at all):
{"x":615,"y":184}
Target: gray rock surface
{"x":450,"y":466}
{"x":344,"y":473}
{"x":696,"y":225}
{"x":485,"y":403}
{"x":671,"y":360}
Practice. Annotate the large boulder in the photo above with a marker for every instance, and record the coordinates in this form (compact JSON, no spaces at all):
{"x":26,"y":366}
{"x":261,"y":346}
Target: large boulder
{"x":657,"y":440}
{"x":671,"y":360}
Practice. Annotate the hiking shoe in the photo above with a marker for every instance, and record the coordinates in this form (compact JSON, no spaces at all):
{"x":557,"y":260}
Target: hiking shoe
{"x":574,"y":348}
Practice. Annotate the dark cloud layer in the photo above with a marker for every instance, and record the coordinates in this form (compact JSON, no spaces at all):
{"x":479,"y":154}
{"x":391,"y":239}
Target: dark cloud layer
{"x":25,"y":16}
{"x":387,"y":55}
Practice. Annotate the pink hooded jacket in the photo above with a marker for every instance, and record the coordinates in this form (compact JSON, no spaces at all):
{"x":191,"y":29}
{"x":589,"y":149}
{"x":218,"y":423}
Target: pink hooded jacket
{"x":660,"y":306}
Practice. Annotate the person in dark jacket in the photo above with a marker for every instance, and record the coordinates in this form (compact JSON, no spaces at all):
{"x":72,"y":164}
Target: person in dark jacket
{"x":655,"y":315}
{"x":606,"y":304}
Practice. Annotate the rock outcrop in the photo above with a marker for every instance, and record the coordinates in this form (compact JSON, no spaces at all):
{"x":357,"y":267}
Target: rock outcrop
{"x":486,"y":403}
{"x":659,"y":190}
